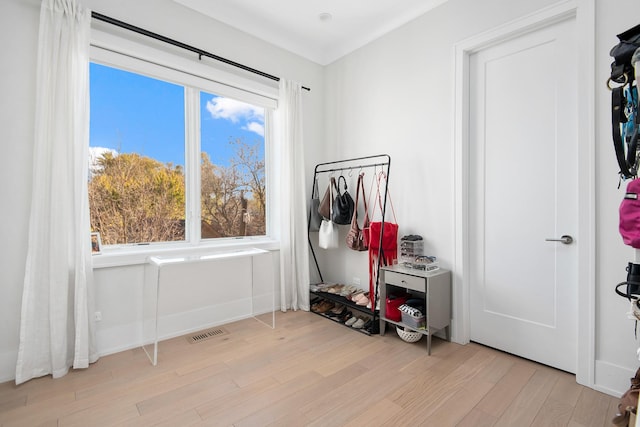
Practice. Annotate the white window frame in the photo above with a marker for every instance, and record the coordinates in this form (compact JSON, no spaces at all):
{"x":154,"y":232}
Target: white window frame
{"x":138,"y":56}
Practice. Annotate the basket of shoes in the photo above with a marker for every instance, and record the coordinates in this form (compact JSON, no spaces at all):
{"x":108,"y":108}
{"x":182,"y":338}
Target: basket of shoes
{"x":407,"y":334}
{"x":412,"y":313}
{"x":413,"y":321}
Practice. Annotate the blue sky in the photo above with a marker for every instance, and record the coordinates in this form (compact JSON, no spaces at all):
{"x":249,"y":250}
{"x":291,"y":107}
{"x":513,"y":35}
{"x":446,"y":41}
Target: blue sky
{"x":131,"y":113}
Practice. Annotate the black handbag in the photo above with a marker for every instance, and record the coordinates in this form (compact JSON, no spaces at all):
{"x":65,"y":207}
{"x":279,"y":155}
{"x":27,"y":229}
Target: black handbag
{"x":343,"y":205}
{"x":631,"y":288}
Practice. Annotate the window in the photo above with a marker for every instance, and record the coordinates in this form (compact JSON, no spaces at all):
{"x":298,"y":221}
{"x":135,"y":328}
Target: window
{"x":172,"y":160}
{"x":232,"y":178}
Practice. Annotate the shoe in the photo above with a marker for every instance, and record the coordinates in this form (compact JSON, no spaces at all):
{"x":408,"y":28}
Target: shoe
{"x":351,"y":321}
{"x":354,"y":296}
{"x":337,"y":311}
{"x":324,"y":307}
{"x":346,"y":316}
{"x":335,"y":289}
{"x":360,"y":297}
{"x":358,"y":324}
{"x":363,"y":299}
{"x":348,"y":290}
{"x":322,"y":287}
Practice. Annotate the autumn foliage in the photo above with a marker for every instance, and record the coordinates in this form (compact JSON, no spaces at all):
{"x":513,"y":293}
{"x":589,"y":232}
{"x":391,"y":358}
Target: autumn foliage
{"x":136,"y":199}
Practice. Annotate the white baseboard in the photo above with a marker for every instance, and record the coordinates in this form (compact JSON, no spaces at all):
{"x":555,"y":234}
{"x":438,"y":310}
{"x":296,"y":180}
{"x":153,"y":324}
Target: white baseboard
{"x":612,"y":379}
{"x":129,"y":336}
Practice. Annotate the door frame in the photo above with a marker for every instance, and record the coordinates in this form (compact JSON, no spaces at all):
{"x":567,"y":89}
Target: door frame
{"x":584,"y":13}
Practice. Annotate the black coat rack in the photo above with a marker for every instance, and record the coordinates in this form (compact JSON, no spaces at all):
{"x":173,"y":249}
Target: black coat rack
{"x":382,"y":161}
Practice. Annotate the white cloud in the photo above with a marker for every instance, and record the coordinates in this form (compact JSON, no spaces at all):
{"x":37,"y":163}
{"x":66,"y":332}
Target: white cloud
{"x":255,"y":127}
{"x":230,"y":109}
{"x":95,"y":153}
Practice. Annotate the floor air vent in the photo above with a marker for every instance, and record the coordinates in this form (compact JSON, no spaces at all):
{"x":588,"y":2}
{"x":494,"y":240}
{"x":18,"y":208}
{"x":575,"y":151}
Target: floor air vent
{"x":205,"y":335}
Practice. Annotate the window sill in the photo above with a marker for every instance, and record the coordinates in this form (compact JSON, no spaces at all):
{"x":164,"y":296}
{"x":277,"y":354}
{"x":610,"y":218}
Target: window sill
{"x":136,"y":255}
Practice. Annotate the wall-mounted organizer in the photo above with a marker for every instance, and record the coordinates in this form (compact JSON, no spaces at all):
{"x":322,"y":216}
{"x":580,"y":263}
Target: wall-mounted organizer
{"x":344,"y":303}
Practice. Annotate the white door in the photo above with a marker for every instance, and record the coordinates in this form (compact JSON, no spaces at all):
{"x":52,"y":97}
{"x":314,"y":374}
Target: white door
{"x":522,"y":191}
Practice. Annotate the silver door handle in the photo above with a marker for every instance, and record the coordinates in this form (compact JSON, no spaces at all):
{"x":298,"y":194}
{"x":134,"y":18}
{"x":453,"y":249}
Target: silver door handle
{"x":567,"y":240}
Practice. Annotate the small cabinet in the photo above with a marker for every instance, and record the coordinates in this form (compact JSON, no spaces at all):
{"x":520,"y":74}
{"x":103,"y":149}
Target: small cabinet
{"x":433,"y":286}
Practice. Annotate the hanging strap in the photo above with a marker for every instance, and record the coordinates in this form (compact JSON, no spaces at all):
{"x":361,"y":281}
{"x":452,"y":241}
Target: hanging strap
{"x":382,"y":176}
{"x":618,"y":118}
{"x":334,"y":184}
{"x":341,"y":177}
{"x":331,"y":185}
{"x":360,"y":189}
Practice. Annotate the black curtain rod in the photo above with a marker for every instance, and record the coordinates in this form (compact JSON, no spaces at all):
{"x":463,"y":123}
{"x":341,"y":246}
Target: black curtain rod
{"x":200,"y":52}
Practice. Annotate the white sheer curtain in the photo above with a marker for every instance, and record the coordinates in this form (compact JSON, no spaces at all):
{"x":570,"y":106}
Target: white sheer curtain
{"x":56,"y":329}
{"x":294,"y":247}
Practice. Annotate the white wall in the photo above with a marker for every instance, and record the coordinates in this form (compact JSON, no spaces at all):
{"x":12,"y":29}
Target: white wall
{"x":118,"y":289}
{"x":192,"y":296}
{"x":395,"y":96}
{"x":615,"y":343}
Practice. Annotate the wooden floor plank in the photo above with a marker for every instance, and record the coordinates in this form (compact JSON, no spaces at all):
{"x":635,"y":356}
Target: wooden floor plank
{"x":229,"y":415}
{"x":10,"y":402}
{"x":350,"y":400}
{"x":189,"y":395}
{"x":308,"y":371}
{"x":592,"y":409}
{"x":319,"y":386}
{"x":38,"y":413}
{"x":558,"y":408}
{"x":454,"y":409}
{"x":378,"y":414}
{"x":500,"y":397}
{"x":446,"y":392}
{"x":106,"y":414}
{"x":477,"y":418}
{"x":525,"y":407}
{"x":235,"y":399}
{"x":183,"y":419}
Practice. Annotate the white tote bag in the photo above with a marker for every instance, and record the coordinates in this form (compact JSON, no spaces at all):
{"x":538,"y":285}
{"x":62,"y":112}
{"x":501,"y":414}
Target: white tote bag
{"x":328,"y":233}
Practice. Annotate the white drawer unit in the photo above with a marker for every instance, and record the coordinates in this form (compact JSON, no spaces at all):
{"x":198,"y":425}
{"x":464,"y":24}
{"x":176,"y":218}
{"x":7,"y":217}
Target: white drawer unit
{"x":402,"y":280}
{"x":433,"y":286}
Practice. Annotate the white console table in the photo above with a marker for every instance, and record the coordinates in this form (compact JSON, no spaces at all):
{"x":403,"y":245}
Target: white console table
{"x":153,"y":292}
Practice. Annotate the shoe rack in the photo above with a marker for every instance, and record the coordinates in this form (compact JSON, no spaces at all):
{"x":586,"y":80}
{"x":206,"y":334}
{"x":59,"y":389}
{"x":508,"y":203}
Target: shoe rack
{"x":349,"y":308}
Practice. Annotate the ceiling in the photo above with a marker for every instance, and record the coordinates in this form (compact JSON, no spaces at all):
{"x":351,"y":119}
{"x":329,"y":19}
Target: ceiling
{"x":321,"y":31}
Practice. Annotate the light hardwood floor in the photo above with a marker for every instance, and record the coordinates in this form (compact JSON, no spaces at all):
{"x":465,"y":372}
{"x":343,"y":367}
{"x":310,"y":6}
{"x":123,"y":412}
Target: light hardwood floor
{"x":308,"y":371}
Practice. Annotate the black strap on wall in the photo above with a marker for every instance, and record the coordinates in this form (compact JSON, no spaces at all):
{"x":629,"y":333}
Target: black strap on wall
{"x":618,"y":117}
{"x":200,"y":52}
